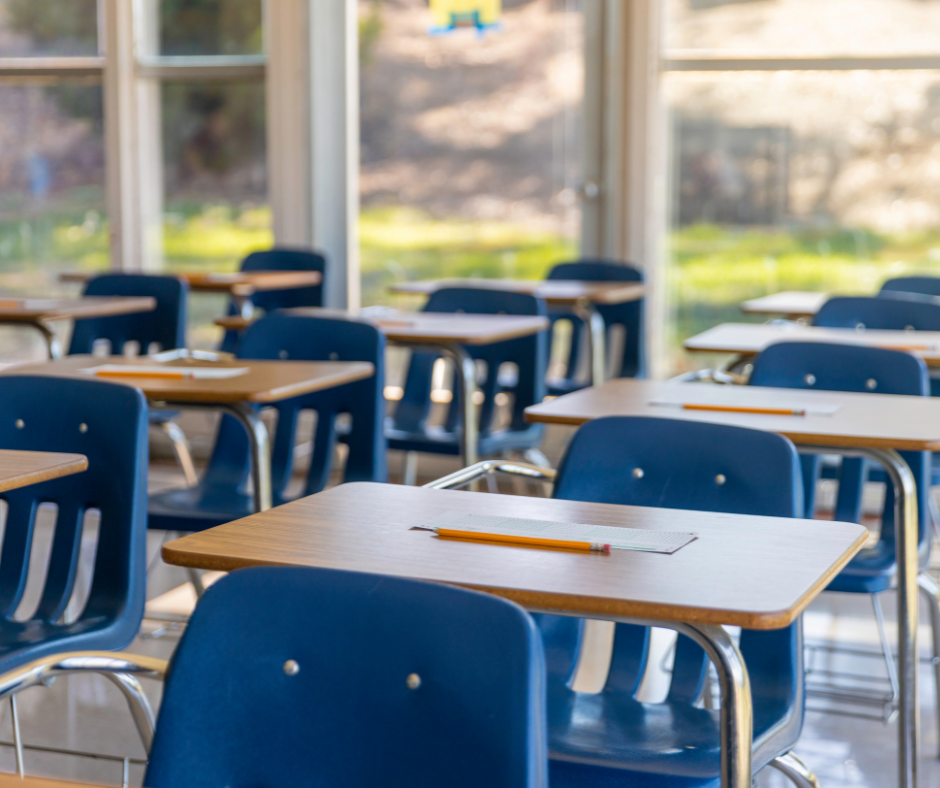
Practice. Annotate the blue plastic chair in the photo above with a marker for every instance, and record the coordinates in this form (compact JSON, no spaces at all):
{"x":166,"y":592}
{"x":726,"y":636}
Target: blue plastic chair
{"x":924,"y":285}
{"x":834,"y":367}
{"x":107,"y":422}
{"x":610,"y":738}
{"x":894,"y":311}
{"x":279,"y":259}
{"x":221,"y":494}
{"x":397,"y":683}
{"x":632,"y":363}
{"x":165,"y":326}
{"x":409,"y":429}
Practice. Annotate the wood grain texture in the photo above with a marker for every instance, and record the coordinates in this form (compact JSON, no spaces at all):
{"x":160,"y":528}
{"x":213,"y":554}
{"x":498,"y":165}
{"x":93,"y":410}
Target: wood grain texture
{"x":265,"y":381}
{"x":558,"y":291}
{"x":431,"y":328}
{"x":752,"y":338}
{"x":22,"y":468}
{"x":757,"y":572}
{"x":240,"y":283}
{"x":13,"y":781}
{"x":881,"y":421}
{"x":793,"y":303}
{"x":29,"y":310}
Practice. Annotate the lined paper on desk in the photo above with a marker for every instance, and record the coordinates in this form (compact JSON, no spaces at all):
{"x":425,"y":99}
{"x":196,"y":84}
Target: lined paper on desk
{"x":617,"y":538}
{"x":719,"y":399}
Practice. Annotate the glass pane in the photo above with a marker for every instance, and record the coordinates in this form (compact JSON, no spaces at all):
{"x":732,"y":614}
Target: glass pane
{"x":216,"y":202}
{"x":799,"y":181}
{"x":34,"y":28}
{"x":52,"y":203}
{"x":804,"y":27}
{"x":211,"y":27}
{"x":471,"y":144}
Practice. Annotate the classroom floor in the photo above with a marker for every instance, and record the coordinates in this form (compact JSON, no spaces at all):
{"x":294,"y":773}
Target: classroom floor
{"x":89,"y":714}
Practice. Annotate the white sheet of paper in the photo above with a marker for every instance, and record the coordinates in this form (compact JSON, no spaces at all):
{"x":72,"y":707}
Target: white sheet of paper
{"x":617,"y":538}
{"x":720,"y":398}
{"x":195,"y":373}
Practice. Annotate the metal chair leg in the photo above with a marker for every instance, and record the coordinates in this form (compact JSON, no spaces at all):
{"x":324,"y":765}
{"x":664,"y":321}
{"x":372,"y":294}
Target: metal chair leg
{"x":181,"y":449}
{"x":930,"y":590}
{"x":797,"y":771}
{"x":536,"y":457}
{"x":17,"y":739}
{"x":410,"y":475}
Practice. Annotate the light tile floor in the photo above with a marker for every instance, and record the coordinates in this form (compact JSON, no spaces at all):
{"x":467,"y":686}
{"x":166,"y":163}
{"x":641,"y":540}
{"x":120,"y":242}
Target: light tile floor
{"x":89,"y":714}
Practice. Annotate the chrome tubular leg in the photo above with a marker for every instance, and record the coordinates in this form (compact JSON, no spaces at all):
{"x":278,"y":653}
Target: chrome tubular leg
{"x":796,"y":771}
{"x":17,"y":739}
{"x":53,"y":345}
{"x":931,"y":593}
{"x":260,"y":452}
{"x":195,"y":580}
{"x":181,"y":449}
{"x":137,"y":702}
{"x":737,"y":726}
{"x":466,"y":372}
{"x":597,"y":331}
{"x":410,"y":474}
{"x":885,"y":647}
{"x":905,"y":491}
{"x":244,"y":305}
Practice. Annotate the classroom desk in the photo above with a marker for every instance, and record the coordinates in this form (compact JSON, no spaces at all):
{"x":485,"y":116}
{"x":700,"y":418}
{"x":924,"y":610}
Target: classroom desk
{"x":876,"y":426}
{"x":265,"y":382}
{"x":749,"y":339}
{"x":14,"y":781}
{"x":581,"y":297}
{"x":792,"y":304}
{"x":240,"y":285}
{"x":39,"y":312}
{"x":23,"y":468}
{"x":758,"y":572}
{"x":447,"y":333}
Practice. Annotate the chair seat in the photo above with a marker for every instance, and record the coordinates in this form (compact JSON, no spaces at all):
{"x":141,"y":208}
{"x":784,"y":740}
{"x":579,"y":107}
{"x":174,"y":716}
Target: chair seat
{"x":437,"y":440}
{"x":22,"y":642}
{"x":872,"y":570}
{"x":667,"y":744}
{"x":198,"y":508}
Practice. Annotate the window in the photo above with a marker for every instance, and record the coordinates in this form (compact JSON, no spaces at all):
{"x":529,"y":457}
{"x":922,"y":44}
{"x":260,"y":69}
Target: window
{"x":52,"y":160}
{"x":470,"y":143}
{"x":804,"y":147}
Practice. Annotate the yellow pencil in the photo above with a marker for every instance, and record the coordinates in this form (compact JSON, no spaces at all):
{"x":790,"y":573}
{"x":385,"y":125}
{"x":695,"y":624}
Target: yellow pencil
{"x":157,"y":373}
{"x":593,"y":547}
{"x":745,"y":409}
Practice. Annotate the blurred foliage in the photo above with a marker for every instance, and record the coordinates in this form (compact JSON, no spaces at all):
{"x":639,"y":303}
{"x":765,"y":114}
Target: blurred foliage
{"x":63,"y":27}
{"x":370,"y":31}
{"x":398,"y":244}
{"x":211,"y":27}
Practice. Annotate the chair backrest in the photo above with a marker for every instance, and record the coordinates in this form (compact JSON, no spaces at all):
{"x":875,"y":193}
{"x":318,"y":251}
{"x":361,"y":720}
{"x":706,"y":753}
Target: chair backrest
{"x":891,"y":311}
{"x":924,"y":285}
{"x":306,"y":337}
{"x":629,"y":315}
{"x":707,"y":467}
{"x":319,"y":677}
{"x":280,"y":259}
{"x":528,"y":354}
{"x":107,"y":422}
{"x":164,"y":326}
{"x":833,"y":367}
